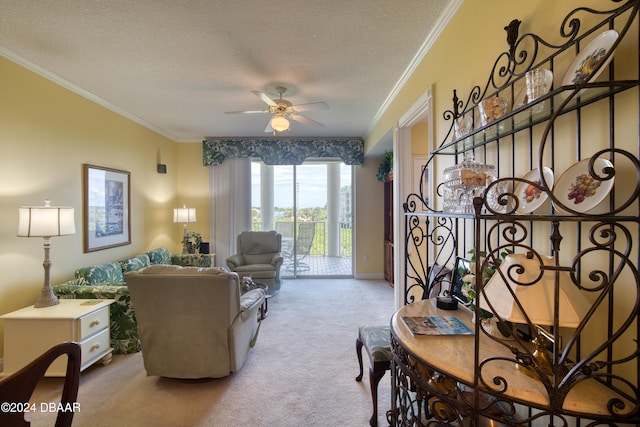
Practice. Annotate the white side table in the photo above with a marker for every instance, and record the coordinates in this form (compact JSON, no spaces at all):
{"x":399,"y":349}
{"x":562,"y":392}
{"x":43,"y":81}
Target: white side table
{"x":29,"y":332}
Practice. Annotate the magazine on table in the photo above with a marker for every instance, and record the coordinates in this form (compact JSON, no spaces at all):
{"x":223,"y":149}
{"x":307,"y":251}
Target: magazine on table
{"x":436,"y":325}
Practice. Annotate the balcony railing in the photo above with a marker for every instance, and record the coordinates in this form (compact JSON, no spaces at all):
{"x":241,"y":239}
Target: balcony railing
{"x":320,"y":240}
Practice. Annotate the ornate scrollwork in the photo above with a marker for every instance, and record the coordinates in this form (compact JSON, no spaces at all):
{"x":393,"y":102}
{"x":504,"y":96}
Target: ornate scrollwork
{"x":610,"y":246}
{"x":497,"y":200}
{"x":601,"y":262}
{"x":529,"y":51}
{"x":428,"y":240}
{"x":422,"y":396}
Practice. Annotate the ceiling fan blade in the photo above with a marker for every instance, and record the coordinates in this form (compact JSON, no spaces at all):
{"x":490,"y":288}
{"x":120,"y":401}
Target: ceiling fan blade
{"x":270,"y":102}
{"x":306,"y":120}
{"x":311,"y":106}
{"x":247,"y":112}
{"x":268,"y":129}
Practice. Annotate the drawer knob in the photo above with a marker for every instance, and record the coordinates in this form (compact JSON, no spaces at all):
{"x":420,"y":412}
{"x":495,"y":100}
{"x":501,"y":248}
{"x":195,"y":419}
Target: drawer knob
{"x":94,"y":348}
{"x":94,"y":323}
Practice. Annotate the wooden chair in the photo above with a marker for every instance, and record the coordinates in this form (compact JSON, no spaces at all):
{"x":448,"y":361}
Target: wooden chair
{"x":18,"y":387}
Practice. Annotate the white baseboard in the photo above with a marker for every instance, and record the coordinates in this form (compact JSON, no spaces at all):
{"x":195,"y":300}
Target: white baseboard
{"x":369,"y":276}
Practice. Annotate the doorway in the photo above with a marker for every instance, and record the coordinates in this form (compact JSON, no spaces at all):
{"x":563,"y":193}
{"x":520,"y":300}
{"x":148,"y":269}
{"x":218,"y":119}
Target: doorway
{"x":311,"y":206}
{"x":421,"y":112}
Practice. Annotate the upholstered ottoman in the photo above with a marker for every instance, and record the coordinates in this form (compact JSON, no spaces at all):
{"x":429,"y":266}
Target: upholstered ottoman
{"x":377,"y":342}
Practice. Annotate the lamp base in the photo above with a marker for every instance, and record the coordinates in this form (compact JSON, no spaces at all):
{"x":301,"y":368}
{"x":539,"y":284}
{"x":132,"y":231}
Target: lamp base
{"x":542,"y":361}
{"x":184,"y":241}
{"x":546,"y":370}
{"x":47,"y":298}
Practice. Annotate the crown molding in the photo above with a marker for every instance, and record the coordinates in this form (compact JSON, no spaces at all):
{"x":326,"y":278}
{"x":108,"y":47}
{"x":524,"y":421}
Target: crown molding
{"x":433,"y":35}
{"x":43,"y":72}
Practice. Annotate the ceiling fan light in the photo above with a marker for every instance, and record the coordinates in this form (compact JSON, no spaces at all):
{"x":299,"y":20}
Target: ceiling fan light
{"x":279,"y":123}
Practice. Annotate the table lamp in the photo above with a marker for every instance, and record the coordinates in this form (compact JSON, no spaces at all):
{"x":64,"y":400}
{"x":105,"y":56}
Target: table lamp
{"x":184,"y":215}
{"x":521,"y":292}
{"x":46,"y":221}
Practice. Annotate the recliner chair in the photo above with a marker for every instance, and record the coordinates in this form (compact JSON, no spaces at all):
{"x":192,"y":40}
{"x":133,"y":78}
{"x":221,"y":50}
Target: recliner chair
{"x":258,"y":256}
{"x":193,"y":322}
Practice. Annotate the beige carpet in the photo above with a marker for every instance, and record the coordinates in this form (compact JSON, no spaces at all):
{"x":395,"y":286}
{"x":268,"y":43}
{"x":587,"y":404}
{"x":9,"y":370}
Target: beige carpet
{"x":300,"y":373}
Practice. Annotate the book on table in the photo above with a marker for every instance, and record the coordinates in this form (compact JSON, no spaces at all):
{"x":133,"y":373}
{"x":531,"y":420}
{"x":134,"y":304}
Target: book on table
{"x":436,"y":325}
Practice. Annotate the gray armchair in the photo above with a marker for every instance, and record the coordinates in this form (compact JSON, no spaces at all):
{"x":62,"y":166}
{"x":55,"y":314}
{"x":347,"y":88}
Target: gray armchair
{"x":259,"y":257}
{"x":193,"y":322}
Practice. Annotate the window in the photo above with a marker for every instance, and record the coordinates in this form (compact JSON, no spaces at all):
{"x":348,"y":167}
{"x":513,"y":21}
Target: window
{"x":311,"y":206}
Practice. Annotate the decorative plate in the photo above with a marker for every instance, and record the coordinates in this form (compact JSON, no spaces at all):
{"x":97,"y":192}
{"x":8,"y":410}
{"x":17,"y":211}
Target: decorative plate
{"x":521,"y":98}
{"x":530,"y":197}
{"x":578,"y":190}
{"x":589,"y":58}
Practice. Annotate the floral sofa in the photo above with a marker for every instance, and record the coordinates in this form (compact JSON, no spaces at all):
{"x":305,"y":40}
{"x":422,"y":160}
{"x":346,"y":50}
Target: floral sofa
{"x":106,"y":281}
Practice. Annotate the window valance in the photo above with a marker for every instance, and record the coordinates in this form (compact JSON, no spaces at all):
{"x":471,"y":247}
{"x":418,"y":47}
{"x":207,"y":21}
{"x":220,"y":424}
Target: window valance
{"x":280,"y":151}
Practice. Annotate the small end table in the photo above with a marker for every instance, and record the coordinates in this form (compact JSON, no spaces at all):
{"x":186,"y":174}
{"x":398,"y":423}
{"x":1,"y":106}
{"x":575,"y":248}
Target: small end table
{"x":29,"y":332}
{"x":264,"y":310}
{"x":193,"y":260}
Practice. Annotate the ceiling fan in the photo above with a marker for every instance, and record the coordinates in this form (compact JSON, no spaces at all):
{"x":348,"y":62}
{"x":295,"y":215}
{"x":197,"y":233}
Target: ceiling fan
{"x":283,"y":110}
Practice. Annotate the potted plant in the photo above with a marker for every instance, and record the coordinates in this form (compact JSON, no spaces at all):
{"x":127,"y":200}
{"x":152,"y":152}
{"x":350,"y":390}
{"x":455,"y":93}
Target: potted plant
{"x":469,"y":283}
{"x":385,"y":167}
{"x":193,"y":239}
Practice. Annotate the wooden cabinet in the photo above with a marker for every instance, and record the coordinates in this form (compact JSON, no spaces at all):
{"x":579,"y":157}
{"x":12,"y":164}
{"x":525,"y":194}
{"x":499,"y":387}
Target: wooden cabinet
{"x":29,"y":332}
{"x":388,"y":262}
{"x":388,"y":229}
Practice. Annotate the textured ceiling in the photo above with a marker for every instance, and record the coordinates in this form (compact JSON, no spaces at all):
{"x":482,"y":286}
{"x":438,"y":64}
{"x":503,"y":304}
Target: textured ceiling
{"x":177,"y":66}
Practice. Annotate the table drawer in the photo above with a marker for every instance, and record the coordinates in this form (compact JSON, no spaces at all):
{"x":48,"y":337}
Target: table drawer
{"x":94,"y":322}
{"x":95,"y":347}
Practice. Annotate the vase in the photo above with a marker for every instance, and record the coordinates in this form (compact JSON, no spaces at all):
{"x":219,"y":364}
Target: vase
{"x":491,"y":327}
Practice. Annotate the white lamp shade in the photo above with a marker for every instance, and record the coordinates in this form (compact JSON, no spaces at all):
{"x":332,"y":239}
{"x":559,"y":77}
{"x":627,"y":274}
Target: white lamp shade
{"x":45,"y":221}
{"x":184,"y":215}
{"x":279,"y":123}
{"x":537,"y":299}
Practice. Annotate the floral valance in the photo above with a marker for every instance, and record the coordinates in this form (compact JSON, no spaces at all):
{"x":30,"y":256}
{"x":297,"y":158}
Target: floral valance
{"x":280,"y":151}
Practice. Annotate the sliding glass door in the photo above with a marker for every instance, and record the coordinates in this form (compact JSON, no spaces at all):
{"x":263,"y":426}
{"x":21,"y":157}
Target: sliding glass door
{"x":311,"y":206}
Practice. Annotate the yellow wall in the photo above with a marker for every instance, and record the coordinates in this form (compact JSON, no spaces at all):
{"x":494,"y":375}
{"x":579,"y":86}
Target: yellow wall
{"x":463,"y":57}
{"x":369,"y":220}
{"x":193,"y":190}
{"x":46,"y":134}
{"x":464,"y":53}
{"x":420,"y":139}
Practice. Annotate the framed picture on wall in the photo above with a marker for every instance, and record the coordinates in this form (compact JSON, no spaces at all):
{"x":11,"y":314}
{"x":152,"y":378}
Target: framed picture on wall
{"x":422,"y":180}
{"x":106,"y":218}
